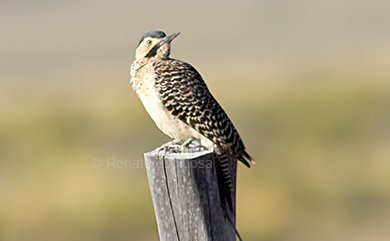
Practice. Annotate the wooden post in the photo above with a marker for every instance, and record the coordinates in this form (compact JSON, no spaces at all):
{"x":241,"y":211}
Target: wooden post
{"x":185,"y":196}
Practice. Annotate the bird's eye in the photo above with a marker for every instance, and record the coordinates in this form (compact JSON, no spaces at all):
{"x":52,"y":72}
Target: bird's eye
{"x":149,"y":42}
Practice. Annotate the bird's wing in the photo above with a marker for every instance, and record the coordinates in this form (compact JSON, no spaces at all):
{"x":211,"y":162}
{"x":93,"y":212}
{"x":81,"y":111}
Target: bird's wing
{"x":186,"y":96}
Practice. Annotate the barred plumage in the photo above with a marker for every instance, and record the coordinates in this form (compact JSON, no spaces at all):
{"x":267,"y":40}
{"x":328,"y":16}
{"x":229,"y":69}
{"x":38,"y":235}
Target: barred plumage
{"x":186,"y":96}
{"x":178,"y":100}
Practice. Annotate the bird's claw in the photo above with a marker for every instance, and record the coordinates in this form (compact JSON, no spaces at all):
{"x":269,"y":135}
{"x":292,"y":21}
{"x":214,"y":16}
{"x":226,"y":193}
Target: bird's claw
{"x":190,"y":145}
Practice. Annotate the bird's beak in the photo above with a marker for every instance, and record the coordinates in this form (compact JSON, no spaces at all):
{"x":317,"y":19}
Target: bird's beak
{"x":163,"y":41}
{"x":168,"y":39}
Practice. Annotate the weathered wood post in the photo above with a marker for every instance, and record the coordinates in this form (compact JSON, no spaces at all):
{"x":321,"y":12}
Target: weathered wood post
{"x":185,"y":196}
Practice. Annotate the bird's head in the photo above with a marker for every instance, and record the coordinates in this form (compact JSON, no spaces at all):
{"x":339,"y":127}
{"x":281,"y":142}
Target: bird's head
{"x":154,"y":45}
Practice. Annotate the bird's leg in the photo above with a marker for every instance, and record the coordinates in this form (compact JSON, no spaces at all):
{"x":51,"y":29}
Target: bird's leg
{"x":170,"y":146}
{"x":176,"y":146}
{"x":186,"y":144}
{"x":174,"y":142}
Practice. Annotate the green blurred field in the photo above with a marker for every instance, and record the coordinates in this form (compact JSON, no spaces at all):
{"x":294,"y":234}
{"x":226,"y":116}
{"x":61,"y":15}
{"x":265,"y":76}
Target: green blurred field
{"x":315,"y":118}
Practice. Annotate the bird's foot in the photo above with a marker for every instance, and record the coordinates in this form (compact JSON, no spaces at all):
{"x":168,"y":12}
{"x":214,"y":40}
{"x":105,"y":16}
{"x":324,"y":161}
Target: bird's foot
{"x":186,"y":145}
{"x":195,"y":146}
{"x":191,"y":145}
{"x":175,"y":146}
{"x":174,"y":142}
{"x":171,"y":146}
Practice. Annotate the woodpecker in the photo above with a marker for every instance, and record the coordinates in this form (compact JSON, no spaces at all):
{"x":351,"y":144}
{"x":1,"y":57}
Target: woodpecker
{"x":179,"y":102}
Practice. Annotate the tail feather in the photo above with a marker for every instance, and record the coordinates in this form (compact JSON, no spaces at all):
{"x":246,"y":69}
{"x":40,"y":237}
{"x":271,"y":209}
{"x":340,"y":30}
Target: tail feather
{"x":225,"y":187}
{"x":225,"y":184}
{"x":246,"y":159}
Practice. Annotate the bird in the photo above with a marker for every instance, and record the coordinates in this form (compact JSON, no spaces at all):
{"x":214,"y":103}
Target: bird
{"x":178,"y":100}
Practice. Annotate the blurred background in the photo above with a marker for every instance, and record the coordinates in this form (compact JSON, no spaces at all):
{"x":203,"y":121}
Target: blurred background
{"x":307,"y":84}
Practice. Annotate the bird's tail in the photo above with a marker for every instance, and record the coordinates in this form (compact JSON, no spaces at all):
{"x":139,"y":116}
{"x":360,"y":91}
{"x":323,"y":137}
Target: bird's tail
{"x":225,"y":187}
{"x":225,"y":183}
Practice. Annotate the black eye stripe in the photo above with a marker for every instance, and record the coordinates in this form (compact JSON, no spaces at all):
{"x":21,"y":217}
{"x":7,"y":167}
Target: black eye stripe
{"x":152,"y":52}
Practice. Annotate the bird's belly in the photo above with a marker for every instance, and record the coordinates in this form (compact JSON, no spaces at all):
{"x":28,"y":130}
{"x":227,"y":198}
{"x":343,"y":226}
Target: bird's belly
{"x":164,"y":120}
